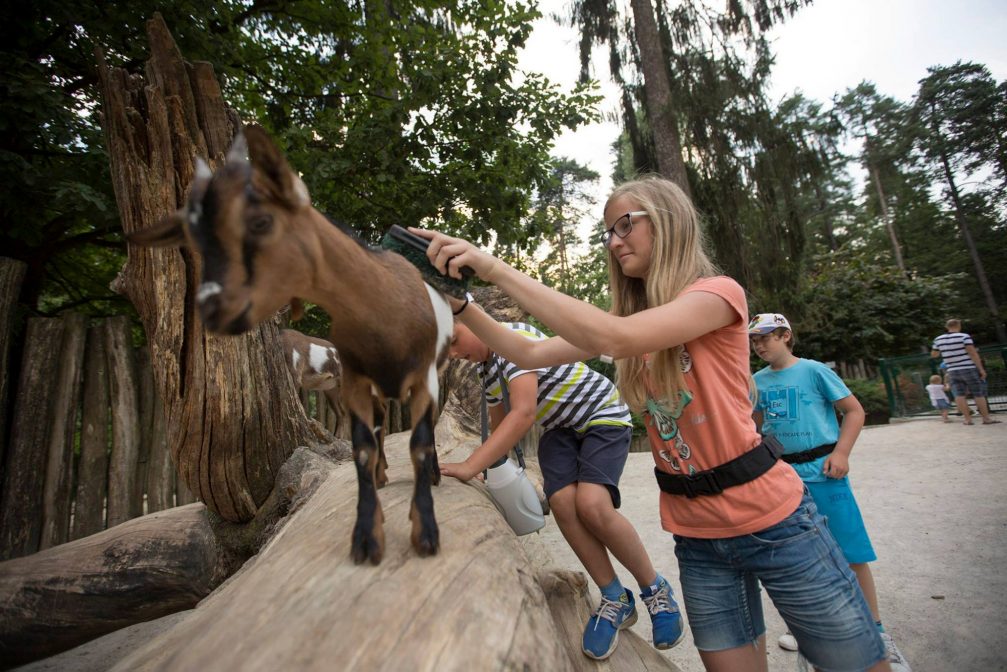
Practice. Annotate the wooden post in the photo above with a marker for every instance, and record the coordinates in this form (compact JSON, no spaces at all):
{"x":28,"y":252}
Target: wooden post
{"x":92,"y":468}
{"x":24,"y":475}
{"x":160,"y":470}
{"x":11,"y":275}
{"x":233,"y":414}
{"x":145,"y":419}
{"x":125,"y":493}
{"x":63,"y":428}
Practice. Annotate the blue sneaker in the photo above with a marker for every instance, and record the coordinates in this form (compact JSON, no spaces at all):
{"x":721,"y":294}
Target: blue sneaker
{"x":602,"y":631}
{"x":667,"y":619}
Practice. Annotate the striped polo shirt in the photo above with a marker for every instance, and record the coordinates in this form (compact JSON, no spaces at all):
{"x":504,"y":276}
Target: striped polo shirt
{"x":952,"y":349}
{"x":569,"y":395}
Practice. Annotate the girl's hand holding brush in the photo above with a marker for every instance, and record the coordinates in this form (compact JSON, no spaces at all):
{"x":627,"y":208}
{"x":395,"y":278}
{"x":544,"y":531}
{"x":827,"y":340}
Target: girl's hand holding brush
{"x":449,"y":254}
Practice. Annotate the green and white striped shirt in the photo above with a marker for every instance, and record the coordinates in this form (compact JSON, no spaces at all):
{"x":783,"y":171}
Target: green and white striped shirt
{"x":569,"y":395}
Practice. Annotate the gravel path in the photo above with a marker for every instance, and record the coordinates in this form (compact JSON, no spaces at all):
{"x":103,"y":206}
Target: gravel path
{"x":928,"y":492}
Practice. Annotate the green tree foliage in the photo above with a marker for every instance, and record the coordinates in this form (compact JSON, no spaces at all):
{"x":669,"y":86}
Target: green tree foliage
{"x":395,"y":113}
{"x":852,"y":309}
{"x":956,"y":117}
{"x":560,"y":205}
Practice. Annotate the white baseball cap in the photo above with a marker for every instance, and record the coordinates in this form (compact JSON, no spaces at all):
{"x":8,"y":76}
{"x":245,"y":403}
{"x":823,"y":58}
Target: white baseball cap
{"x":766,"y":323}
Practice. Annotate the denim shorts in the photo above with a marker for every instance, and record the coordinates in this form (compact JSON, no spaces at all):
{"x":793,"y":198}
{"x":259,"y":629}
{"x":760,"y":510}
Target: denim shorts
{"x":597,"y":455}
{"x":834,"y":500}
{"x":941,"y":404}
{"x":807,"y":578}
{"x":966,"y":381}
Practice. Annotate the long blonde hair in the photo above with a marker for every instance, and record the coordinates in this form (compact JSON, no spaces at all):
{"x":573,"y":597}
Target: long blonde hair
{"x":678,"y":258}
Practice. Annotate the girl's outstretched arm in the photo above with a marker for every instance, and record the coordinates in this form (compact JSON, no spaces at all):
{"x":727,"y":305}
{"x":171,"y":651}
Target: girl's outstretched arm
{"x":588,"y":329}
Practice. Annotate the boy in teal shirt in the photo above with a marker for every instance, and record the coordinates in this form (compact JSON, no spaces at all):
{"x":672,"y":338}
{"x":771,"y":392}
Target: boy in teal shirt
{"x":797,"y":403}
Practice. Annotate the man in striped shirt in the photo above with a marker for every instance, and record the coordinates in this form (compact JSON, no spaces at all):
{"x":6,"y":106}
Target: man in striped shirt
{"x":965,"y":370}
{"x":582,"y":454}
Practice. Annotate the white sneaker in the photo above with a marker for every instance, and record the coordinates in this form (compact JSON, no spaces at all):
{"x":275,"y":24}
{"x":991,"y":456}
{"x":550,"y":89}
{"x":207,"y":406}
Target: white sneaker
{"x":787,"y":642}
{"x":895,"y":657}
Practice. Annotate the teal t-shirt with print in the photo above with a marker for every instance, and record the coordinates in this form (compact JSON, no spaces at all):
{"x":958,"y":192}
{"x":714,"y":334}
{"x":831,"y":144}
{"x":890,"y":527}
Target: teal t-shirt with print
{"x":796,"y":405}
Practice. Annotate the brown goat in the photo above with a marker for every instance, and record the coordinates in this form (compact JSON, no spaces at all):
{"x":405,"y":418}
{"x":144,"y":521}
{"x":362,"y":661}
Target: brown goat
{"x":263,"y":246}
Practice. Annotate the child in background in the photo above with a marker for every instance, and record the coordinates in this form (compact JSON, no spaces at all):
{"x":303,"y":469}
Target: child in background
{"x":797,"y":403}
{"x":937,"y":390}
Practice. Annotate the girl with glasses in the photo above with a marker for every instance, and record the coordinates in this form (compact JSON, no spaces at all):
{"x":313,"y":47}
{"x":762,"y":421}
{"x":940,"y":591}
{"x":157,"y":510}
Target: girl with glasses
{"x":678,"y":333}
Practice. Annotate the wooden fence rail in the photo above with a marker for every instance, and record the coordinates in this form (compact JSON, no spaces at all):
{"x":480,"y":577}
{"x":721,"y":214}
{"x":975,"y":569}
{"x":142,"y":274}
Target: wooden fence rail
{"x":88,"y":447}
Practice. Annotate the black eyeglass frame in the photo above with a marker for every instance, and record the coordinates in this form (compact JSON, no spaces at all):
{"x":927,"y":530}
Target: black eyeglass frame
{"x":606,"y":236}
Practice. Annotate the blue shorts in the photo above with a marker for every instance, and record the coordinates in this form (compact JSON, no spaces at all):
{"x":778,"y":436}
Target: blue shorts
{"x":597,"y":455}
{"x":807,"y":578}
{"x":941,"y":404}
{"x":834,"y":499}
{"x":966,"y":381}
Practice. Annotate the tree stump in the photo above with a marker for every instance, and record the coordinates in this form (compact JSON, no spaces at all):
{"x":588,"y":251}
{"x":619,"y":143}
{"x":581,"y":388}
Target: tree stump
{"x":233,"y":410}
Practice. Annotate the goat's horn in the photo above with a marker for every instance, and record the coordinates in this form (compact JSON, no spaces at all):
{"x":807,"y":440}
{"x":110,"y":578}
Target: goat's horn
{"x":239,"y":149}
{"x":203,"y":171}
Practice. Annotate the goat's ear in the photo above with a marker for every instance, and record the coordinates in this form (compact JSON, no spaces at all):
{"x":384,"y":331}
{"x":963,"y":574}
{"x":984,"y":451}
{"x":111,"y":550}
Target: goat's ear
{"x":270,"y":162}
{"x":169,"y":232}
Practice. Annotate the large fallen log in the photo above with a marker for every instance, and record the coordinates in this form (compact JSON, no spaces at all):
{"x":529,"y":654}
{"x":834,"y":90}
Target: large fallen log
{"x":145,"y":568}
{"x":301,"y":603}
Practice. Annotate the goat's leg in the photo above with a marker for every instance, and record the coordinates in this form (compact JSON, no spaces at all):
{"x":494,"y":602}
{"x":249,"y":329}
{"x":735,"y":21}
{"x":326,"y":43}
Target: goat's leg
{"x":368,"y":541}
{"x":381,"y":477}
{"x":425,"y":536}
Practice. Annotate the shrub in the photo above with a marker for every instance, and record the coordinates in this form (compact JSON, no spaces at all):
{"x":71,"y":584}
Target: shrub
{"x":871,"y":394}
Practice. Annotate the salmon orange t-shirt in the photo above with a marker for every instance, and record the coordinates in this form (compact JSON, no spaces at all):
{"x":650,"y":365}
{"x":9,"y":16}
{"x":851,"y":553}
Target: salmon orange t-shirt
{"x":714,"y":425}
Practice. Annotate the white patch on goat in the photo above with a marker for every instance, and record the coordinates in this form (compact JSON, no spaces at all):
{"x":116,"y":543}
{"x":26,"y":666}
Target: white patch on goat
{"x":208,"y":289}
{"x":445,"y":330}
{"x":203,"y":171}
{"x":363,"y":457}
{"x":317,"y":354}
{"x":295,"y":357}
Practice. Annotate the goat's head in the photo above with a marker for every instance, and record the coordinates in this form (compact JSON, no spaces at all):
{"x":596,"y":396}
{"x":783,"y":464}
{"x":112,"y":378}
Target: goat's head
{"x":245,"y":221}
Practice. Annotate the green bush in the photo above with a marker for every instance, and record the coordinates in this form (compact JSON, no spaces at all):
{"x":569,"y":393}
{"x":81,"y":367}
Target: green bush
{"x":870,"y":393}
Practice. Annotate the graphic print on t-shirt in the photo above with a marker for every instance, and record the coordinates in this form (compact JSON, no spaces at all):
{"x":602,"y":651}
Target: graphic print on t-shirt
{"x":666,"y":423}
{"x":782,"y":403}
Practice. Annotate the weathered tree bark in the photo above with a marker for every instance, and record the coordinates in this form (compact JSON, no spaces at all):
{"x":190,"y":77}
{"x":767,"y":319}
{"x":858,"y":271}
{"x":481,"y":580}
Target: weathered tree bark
{"x":11,"y":275}
{"x":160,"y":470}
{"x":145,"y":418}
{"x":125,"y":492}
{"x":92,"y":468}
{"x":657,"y":96}
{"x":24,"y":475}
{"x":59,"y":466}
{"x":234,"y":414}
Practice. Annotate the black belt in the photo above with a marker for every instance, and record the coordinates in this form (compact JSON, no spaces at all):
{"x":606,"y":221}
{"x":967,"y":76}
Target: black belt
{"x":742,"y":469}
{"x":808,"y":455}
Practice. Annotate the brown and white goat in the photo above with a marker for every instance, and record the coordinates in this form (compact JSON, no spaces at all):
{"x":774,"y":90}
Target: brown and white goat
{"x":262,"y":246}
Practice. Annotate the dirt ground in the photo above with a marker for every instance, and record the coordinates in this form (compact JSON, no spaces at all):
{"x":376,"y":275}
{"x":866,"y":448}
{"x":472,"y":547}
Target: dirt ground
{"x":928,"y":494}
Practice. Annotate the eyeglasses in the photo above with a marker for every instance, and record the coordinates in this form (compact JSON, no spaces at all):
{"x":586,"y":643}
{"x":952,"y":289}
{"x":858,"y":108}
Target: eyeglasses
{"x":622,"y":227}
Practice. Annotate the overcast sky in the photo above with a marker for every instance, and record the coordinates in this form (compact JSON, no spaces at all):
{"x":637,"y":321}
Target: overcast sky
{"x":825,"y":49}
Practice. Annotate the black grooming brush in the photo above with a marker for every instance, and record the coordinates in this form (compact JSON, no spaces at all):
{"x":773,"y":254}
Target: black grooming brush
{"x":414,"y":249}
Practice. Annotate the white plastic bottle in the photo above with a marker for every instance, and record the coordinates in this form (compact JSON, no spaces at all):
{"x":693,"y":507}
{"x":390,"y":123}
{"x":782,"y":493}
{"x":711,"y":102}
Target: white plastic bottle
{"x":515,"y":496}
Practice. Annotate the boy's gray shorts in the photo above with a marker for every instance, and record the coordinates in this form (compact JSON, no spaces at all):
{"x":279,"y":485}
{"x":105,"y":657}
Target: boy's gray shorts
{"x":597,"y":455}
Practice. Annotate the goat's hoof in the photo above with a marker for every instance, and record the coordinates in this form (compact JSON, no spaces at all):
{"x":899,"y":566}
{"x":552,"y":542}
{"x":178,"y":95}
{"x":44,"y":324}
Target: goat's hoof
{"x":427,"y":543}
{"x":366,"y":547}
{"x":381,"y":481}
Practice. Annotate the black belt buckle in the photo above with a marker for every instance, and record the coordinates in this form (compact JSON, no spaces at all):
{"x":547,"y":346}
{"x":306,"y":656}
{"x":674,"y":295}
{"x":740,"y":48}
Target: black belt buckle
{"x":701,"y":483}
